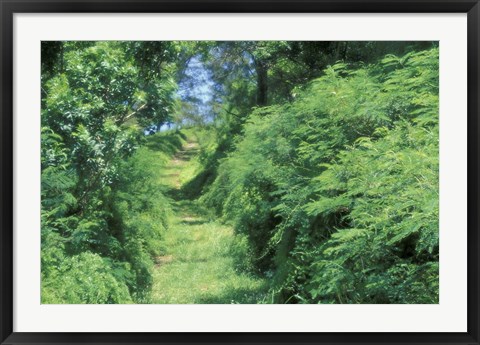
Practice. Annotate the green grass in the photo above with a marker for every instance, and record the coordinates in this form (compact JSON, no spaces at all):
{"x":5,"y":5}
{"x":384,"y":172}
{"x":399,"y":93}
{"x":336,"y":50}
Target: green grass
{"x":199,"y":266}
{"x":202,"y":260}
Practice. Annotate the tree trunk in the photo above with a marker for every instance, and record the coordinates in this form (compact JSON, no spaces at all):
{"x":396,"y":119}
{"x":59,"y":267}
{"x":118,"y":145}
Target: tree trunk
{"x":262,"y":86}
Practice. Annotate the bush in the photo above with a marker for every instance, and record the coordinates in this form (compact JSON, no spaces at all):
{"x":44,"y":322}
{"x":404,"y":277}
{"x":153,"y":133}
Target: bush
{"x":338,"y":190}
{"x":84,"y":278}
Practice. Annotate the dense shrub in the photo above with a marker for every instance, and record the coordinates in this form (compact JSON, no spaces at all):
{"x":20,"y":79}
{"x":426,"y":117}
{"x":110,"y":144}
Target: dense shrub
{"x":102,"y":213}
{"x":84,"y":278}
{"x":337,"y":191}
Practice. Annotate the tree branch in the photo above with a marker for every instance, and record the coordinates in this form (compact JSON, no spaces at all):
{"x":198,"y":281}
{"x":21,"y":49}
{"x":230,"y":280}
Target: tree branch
{"x":133,"y":113}
{"x":232,"y":113}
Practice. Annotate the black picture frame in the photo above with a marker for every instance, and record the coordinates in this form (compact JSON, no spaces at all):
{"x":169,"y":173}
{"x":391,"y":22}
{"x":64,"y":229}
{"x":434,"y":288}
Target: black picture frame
{"x":8,"y":8}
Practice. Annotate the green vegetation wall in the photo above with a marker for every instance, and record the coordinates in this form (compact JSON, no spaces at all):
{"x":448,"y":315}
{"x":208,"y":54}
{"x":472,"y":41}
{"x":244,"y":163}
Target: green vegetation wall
{"x":337,"y":191}
{"x":97,"y":244}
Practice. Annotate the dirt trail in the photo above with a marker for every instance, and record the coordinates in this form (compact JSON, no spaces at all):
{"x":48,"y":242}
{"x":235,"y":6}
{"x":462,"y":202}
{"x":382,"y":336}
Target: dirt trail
{"x":180,"y":159}
{"x":200,"y":261}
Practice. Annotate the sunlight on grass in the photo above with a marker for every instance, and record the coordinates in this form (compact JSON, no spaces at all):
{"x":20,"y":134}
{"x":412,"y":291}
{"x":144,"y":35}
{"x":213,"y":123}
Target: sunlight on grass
{"x":201,"y":260}
{"x":202,"y":269}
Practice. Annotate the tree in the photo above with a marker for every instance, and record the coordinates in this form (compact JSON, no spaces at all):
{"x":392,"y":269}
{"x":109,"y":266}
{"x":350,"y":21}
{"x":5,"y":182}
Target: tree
{"x":91,"y":107}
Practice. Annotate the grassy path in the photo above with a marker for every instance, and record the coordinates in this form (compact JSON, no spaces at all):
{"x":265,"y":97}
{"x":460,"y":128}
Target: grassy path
{"x":202,"y":255}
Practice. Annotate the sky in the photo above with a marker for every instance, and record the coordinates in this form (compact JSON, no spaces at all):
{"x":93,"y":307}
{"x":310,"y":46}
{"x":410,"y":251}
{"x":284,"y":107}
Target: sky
{"x":198,"y":85}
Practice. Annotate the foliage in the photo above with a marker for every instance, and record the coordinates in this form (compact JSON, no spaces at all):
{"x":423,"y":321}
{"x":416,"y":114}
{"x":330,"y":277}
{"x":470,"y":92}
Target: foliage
{"x":84,"y":278}
{"x":95,"y":196}
{"x":338,"y":190}
{"x":322,"y":157}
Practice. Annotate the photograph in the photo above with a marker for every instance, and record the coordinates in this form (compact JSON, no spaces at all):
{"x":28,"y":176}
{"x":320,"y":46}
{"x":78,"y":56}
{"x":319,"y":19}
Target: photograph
{"x":239,"y":172}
